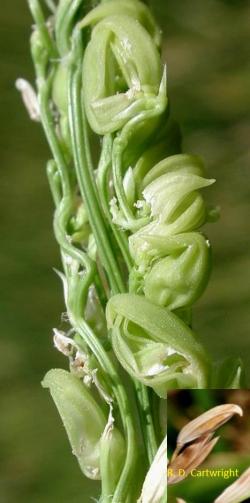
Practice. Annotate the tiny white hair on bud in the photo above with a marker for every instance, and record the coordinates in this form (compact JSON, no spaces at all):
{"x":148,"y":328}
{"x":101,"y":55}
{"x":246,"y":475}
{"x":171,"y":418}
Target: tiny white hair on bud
{"x":68,"y":259}
{"x":87,"y":380}
{"x":131,"y":93}
{"x":155,"y":483}
{"x":163,"y":83}
{"x":64,"y":282}
{"x":139,"y":204}
{"x":113,"y":202}
{"x":29,"y":98}
{"x":93,"y":473}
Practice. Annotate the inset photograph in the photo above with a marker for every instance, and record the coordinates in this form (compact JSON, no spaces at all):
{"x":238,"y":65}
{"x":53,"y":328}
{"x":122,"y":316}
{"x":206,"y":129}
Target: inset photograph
{"x":208,"y":446}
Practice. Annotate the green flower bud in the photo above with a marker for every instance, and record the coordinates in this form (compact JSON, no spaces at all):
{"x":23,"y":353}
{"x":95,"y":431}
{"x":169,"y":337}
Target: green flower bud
{"x":60,"y":99}
{"x":154,"y":345}
{"x":185,"y":164}
{"x":40,"y":53}
{"x":129,"y":187}
{"x":172,"y":264}
{"x":117,"y":85}
{"x":137,"y":10}
{"x":171,"y":192}
{"x":79,"y":228}
{"x":82,"y":418}
{"x":174,"y":269}
{"x":166,"y":144}
{"x":94,"y":314}
{"x":60,"y":88}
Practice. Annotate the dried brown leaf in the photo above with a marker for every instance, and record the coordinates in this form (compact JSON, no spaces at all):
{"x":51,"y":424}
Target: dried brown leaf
{"x":191,"y":457}
{"x":206,"y":423}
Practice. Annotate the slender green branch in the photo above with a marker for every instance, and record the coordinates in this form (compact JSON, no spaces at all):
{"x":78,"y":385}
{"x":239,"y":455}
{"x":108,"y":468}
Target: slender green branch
{"x":85,"y":179}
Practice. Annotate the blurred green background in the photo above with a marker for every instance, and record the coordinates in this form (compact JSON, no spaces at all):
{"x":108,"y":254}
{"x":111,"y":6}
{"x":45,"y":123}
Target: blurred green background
{"x":207,"y":47}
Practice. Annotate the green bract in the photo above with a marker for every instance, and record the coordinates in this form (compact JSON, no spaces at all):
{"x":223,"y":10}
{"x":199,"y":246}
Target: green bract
{"x":83,"y":419}
{"x":154,"y":345}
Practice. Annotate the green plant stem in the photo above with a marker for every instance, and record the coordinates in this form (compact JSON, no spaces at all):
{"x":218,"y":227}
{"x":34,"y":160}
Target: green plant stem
{"x":77,"y":289}
{"x":146,"y":420}
{"x":84,"y":177}
{"x":48,"y":126}
{"x":108,"y":260}
{"x":141,"y":391}
{"x":86,"y":182}
{"x":38,"y":16}
{"x":104,"y":168}
{"x":75,"y":310}
{"x":151,"y":445}
{"x":62,"y":215}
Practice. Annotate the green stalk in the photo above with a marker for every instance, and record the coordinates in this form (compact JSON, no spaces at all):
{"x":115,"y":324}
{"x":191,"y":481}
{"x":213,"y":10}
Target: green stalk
{"x":85,"y":181}
{"x":75,"y":303}
{"x":48,"y":126}
{"x":104,"y":168}
{"x":84,"y":176}
{"x":146,"y":420}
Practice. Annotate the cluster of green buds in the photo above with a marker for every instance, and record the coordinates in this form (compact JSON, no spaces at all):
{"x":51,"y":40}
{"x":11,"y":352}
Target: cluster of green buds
{"x":128,"y":213}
